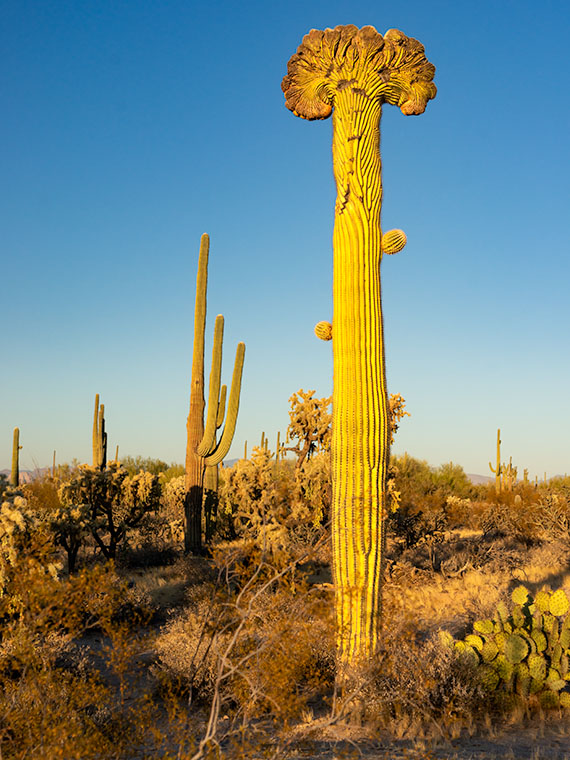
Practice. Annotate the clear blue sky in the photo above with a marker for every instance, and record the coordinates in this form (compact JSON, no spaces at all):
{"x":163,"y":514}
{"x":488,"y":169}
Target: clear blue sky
{"x":130,"y":127}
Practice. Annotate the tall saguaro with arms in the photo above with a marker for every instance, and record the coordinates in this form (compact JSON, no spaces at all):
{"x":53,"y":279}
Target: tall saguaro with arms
{"x":203,"y":450}
{"x":350,"y":73}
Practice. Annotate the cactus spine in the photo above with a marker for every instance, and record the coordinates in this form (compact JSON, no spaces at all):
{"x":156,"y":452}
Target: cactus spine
{"x":202,"y":448}
{"x":99,"y":436}
{"x":497,"y":469}
{"x":15,"y":474}
{"x":356,"y":71}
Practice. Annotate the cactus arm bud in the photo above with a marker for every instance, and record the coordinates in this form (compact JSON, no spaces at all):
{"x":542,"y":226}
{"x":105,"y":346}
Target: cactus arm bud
{"x":323,"y":330}
{"x":393,"y":241}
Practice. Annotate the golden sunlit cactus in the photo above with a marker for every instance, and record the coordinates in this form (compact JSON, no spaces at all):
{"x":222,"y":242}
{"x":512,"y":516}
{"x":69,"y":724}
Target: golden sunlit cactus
{"x":350,"y":73}
{"x":323,"y":330}
{"x":393,"y":241}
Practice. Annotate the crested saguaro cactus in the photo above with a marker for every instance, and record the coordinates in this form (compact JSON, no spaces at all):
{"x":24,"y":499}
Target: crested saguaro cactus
{"x":203,"y":450}
{"x":15,"y":474}
{"x":351,"y":73}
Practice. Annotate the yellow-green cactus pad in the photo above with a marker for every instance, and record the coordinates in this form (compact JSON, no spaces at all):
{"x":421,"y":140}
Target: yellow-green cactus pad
{"x":518,"y":616}
{"x":393,"y":241}
{"x":483,"y":626}
{"x":540,"y":639}
{"x":501,"y":640}
{"x":489,"y":678}
{"x":564,"y":699}
{"x":542,"y":601}
{"x":558,"y":603}
{"x":516,"y":648}
{"x":489,"y":651}
{"x":502,"y":612}
{"x":323,"y":330}
{"x":555,"y":684}
{"x":536,"y":685}
{"x":548,"y":621}
{"x":537,"y":667}
{"x":520,"y":595}
{"x":475,"y":641}
{"x":503,"y":667}
{"x":523,"y":683}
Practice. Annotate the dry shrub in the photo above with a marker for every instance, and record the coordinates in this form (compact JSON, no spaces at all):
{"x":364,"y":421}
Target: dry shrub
{"x":416,"y":687}
{"x":254,"y":650}
{"x":527,"y":515}
{"x":51,"y":700}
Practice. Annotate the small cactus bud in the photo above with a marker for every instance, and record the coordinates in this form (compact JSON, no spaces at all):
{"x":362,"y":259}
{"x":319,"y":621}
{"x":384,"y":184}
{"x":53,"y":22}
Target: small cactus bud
{"x":393,"y":241}
{"x":323,"y":330}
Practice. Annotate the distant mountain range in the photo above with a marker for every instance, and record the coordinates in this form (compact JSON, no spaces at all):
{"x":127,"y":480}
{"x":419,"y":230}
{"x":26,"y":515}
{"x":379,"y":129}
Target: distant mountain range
{"x":25,"y":475}
{"x":479,"y":480}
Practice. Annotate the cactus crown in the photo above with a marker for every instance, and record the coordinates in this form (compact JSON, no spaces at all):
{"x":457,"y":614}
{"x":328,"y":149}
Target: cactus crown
{"x":392,"y":68}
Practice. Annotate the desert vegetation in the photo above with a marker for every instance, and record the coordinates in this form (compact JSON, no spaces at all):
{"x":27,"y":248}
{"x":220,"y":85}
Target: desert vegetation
{"x":116,"y":643}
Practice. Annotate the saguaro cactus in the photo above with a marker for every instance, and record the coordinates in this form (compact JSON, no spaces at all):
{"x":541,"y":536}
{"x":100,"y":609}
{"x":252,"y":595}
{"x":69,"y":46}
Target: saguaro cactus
{"x":99,"y":435}
{"x":497,"y":468}
{"x":351,"y":73}
{"x":15,"y":474}
{"x":202,"y":448}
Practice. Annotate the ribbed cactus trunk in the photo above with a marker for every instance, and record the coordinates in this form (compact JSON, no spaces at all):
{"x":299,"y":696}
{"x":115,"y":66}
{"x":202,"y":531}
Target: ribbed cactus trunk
{"x":360,"y":434}
{"x":349,"y":72}
{"x":194,"y":468}
{"x":15,"y":474}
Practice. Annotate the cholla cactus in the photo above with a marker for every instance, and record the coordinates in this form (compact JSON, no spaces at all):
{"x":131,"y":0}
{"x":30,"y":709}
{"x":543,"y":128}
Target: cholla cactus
{"x":253,"y":495}
{"x":115,"y":501}
{"x":524,"y":650}
{"x":397,"y":412}
{"x":350,"y":73}
{"x":173,"y":494}
{"x":70,"y":525}
{"x":310,"y":424}
{"x":18,"y":531}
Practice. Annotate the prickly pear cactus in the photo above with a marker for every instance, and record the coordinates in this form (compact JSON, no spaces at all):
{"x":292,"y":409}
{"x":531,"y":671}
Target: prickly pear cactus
{"x":524,"y":650}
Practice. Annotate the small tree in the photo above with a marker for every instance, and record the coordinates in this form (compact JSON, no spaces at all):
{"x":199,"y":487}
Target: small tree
{"x":116,"y":502}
